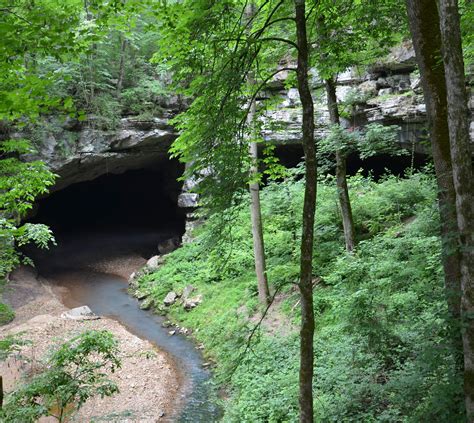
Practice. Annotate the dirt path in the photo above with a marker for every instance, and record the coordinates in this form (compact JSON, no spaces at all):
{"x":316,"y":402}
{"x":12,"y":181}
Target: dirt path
{"x":150,"y":385}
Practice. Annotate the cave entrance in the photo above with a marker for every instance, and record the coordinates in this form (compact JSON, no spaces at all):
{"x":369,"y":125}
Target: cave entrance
{"x":138,"y":205}
{"x":377,"y":166}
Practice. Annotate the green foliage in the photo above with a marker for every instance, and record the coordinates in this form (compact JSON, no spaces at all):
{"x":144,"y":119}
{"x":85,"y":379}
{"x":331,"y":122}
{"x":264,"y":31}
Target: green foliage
{"x":11,"y":344}
{"x":212,"y":50}
{"x":6,"y":314}
{"x":351,"y":33}
{"x":467,"y":18}
{"x":73,"y":373}
{"x":144,"y":97}
{"x":356,"y":96}
{"x":383,"y":348}
{"x":369,"y":141}
{"x":20,"y":183}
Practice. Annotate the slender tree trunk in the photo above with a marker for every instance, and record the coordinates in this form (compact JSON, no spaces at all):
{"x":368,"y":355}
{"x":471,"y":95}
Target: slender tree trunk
{"x":341,"y":171}
{"x":121,"y":70}
{"x":309,"y":209}
{"x":424,"y":21}
{"x":257,"y":226}
{"x":458,"y":120}
{"x":255,"y":207}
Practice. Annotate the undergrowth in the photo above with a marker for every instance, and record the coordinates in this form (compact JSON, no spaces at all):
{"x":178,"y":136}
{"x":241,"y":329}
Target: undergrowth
{"x":382,"y":346}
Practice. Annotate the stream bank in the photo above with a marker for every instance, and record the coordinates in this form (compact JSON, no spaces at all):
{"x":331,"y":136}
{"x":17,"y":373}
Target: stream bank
{"x":162,"y":378}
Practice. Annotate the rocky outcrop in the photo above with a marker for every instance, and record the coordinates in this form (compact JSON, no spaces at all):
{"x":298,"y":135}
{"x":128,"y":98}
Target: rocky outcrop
{"x":79,"y":152}
{"x":387,"y":92}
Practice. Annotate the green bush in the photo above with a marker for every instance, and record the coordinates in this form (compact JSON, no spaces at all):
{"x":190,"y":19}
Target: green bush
{"x":74,"y":372}
{"x":6,"y":314}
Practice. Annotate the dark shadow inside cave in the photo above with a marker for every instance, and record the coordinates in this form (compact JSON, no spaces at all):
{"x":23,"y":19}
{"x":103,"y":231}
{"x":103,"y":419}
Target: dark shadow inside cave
{"x":141,"y":199}
{"x":130,"y":211}
{"x":379,"y":165}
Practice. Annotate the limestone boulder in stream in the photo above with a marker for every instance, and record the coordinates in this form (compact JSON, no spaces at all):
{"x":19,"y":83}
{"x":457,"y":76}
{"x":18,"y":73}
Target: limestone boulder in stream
{"x":80,"y":313}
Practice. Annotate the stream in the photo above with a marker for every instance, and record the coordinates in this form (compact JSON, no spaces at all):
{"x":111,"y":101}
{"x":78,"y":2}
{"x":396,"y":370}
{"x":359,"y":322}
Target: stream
{"x":77,"y":264}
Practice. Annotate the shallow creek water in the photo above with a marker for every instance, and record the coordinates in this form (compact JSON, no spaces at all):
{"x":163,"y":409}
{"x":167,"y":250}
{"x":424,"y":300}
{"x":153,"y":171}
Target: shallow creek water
{"x":71,"y":266}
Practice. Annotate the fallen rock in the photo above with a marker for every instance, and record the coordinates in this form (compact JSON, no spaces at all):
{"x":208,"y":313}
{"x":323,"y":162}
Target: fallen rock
{"x":140,"y":295}
{"x":80,"y":313}
{"x":170,"y":298}
{"x":187,"y":292}
{"x":188,"y":200}
{"x":147,"y":303}
{"x":133,"y":281}
{"x":191,"y":303}
{"x":169,"y":245}
{"x":154,"y":262}
{"x":184,"y":331}
{"x":171,"y":332}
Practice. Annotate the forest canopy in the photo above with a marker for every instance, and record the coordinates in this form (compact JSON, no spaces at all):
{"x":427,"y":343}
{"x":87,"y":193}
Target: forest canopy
{"x":376,"y":271}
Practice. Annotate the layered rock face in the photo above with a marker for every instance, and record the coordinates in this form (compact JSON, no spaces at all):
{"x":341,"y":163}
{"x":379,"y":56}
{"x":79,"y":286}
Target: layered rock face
{"x":388,"y":92}
{"x":79,"y":152}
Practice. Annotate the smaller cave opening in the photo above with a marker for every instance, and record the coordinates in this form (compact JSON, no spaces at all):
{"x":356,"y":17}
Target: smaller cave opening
{"x":381,"y":164}
{"x":377,"y":166}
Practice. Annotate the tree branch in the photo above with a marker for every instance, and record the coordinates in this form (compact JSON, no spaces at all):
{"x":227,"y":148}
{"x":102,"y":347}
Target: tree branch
{"x":283,"y":40}
{"x":259,"y":88}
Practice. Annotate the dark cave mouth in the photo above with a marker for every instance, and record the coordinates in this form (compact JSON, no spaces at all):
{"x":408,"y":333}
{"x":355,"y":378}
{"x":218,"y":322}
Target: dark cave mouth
{"x":136,"y":200}
{"x":147,"y":199}
{"x":376,"y":166}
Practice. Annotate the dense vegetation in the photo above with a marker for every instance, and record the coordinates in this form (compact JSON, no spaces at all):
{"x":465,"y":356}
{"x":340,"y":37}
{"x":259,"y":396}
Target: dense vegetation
{"x":383,"y":346}
{"x":379,"y":273}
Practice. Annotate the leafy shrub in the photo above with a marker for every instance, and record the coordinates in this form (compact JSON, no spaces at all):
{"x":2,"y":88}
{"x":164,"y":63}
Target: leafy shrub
{"x":145,"y":97}
{"x":72,"y":374}
{"x":6,"y":314}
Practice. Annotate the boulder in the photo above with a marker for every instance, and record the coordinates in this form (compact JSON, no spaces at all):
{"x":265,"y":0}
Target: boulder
{"x":154,"y":262}
{"x":140,"y":295}
{"x":80,"y":313}
{"x":191,"y":303}
{"x":385,"y":91}
{"x":170,"y":298}
{"x":188,"y":200}
{"x":169,"y":245}
{"x":187,"y":292}
{"x":147,"y":303}
{"x":368,"y":88}
{"x":133,"y":281}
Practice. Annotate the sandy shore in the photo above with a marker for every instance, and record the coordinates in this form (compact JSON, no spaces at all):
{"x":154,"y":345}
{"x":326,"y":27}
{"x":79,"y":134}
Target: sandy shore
{"x":150,"y":385}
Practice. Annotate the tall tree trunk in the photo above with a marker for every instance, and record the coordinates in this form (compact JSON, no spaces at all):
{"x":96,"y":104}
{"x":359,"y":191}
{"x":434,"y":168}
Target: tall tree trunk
{"x":121,"y":70}
{"x":255,"y":207}
{"x":424,"y":22}
{"x":341,"y":171}
{"x":458,"y":120}
{"x":309,"y":209}
{"x":257,"y":226}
